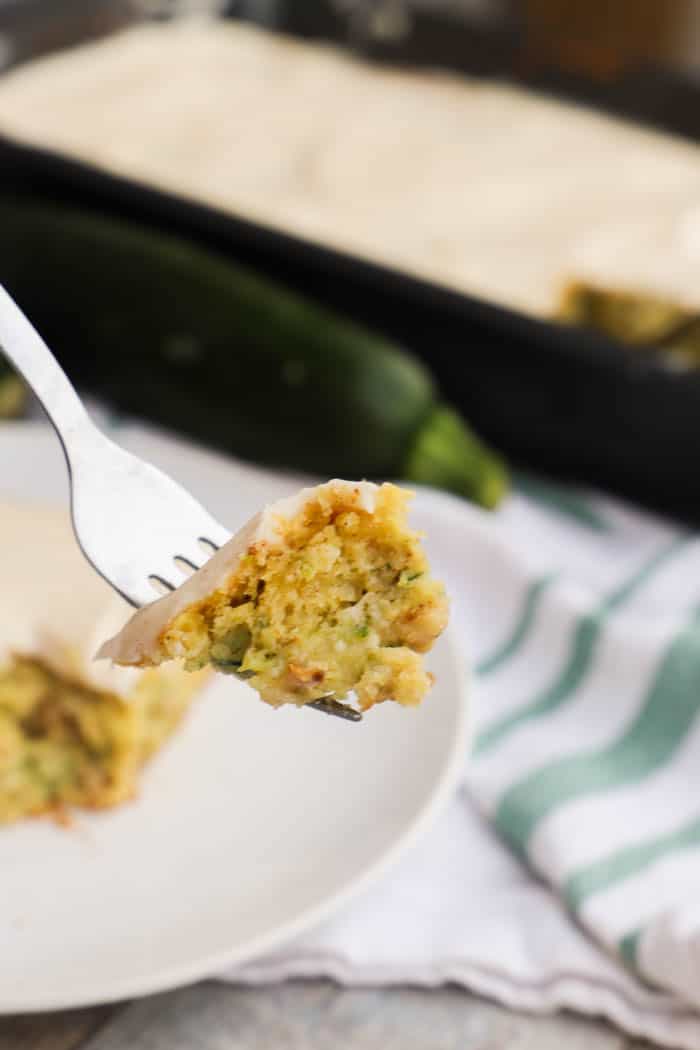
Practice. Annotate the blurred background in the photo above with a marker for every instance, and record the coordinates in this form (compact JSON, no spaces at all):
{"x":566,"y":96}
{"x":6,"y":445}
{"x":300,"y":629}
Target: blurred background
{"x":506,"y":189}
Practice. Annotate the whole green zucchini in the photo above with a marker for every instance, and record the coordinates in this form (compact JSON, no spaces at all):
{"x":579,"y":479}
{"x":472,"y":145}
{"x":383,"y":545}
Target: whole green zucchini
{"x":13,"y":393}
{"x":172,"y":332}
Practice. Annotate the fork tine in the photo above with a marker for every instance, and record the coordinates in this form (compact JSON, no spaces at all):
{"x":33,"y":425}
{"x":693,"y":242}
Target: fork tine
{"x":328,"y":706}
{"x":163,"y":583}
{"x":209,"y":543}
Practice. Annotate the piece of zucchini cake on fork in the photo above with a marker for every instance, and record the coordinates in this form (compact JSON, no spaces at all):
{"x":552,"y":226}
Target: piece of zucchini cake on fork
{"x":323,"y":594}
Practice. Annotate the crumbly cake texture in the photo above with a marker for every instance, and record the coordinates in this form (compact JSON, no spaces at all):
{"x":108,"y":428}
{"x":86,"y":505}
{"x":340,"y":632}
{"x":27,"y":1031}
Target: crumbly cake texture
{"x":72,"y":732}
{"x":323,"y":594}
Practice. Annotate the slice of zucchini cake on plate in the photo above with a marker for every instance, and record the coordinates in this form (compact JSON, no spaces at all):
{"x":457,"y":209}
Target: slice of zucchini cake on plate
{"x":72,"y":733}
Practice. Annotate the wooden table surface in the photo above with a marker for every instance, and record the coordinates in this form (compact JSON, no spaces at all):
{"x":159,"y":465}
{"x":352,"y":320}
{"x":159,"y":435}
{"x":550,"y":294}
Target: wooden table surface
{"x":310,"y":1015}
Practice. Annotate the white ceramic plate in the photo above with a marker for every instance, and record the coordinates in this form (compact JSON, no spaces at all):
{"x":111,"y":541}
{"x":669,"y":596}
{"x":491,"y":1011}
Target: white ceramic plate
{"x":251,"y":826}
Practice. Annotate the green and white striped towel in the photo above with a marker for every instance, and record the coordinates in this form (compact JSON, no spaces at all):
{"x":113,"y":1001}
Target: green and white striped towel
{"x":587,"y":759}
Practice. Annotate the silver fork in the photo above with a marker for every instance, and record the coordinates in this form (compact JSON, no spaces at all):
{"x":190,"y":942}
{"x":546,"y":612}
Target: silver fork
{"x":134,"y":524}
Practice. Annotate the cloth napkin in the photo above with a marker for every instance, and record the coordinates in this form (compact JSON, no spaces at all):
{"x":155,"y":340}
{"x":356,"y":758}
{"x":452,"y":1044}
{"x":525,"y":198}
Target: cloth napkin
{"x":565,"y":873}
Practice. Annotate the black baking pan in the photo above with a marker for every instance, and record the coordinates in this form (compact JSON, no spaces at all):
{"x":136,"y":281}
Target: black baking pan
{"x":559,"y":401}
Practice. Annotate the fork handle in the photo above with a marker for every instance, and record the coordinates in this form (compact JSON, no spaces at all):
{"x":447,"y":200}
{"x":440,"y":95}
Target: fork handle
{"x":27,"y":351}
